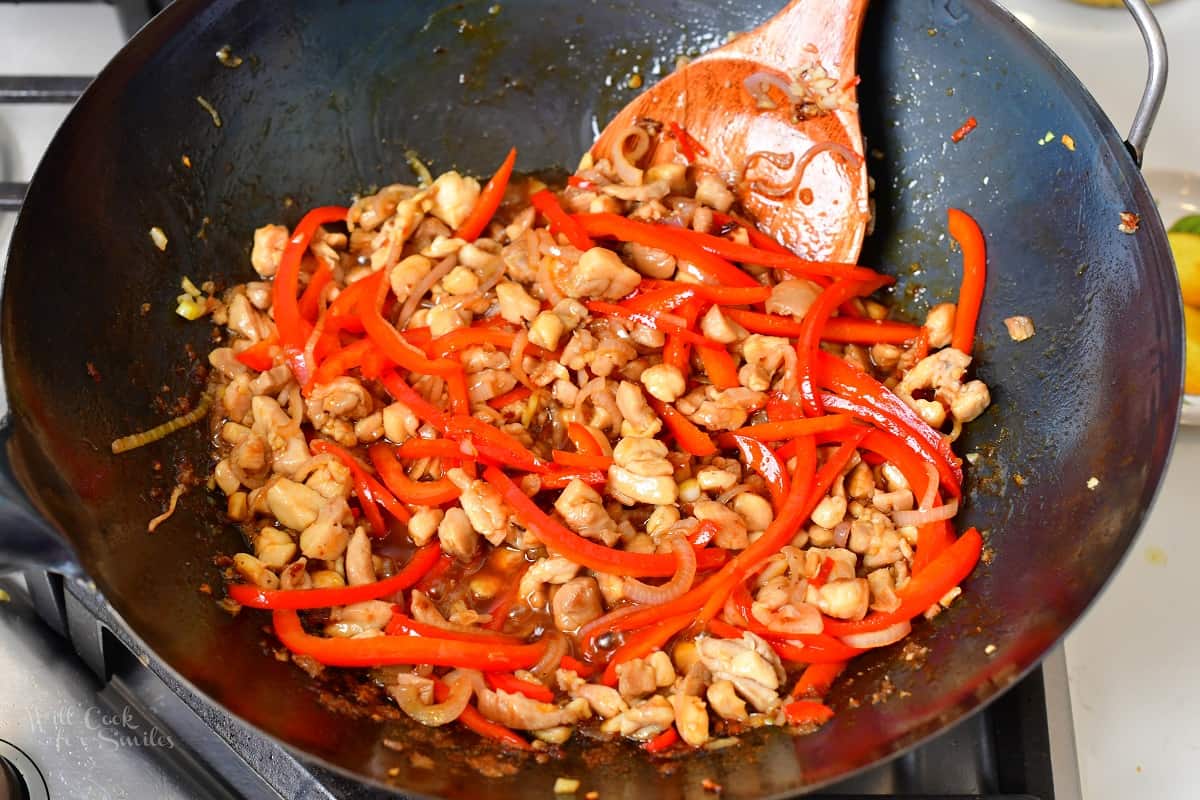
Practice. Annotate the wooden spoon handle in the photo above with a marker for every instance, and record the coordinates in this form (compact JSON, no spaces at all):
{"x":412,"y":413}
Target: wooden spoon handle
{"x":786,"y":41}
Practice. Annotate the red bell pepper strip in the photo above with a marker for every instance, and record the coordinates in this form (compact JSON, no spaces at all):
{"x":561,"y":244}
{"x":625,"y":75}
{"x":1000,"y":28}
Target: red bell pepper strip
{"x":446,"y":345}
{"x":658,"y":295}
{"x":762,"y":459}
{"x":370,"y":493}
{"x":260,"y":355}
{"x":858,"y":394}
{"x":643,"y":643}
{"x":776,"y":431}
{"x":340,"y":362}
{"x":807,"y":712}
{"x":493,"y":444}
{"x":417,"y":493}
{"x":474,"y":721}
{"x":310,"y":299}
{"x":676,"y":352}
{"x":745,"y":254}
{"x":964,"y":130}
{"x":809,"y":344}
{"x":293,"y":329}
{"x":822,"y":575}
{"x":581,"y":668}
{"x":507,"y":682}
{"x":403,"y":625}
{"x":922,"y":590}
{"x":390,"y":341}
{"x":560,"y":222}
{"x":687,"y":435}
{"x":582,"y":460}
{"x":342,"y":313}
{"x":672,"y":240}
{"x":401,"y":392}
{"x":817,"y":679}
{"x":418,"y":565}
{"x":561,"y":477}
{"x":966,"y":232}
{"x":585,"y":441}
{"x":665,"y":739}
{"x":651,"y":320}
{"x":704,"y":533}
{"x":566,"y":542}
{"x":384,"y":650}
{"x":837,"y":329}
{"x":518,"y":395}
{"x":489,"y":200}
{"x":719,"y":366}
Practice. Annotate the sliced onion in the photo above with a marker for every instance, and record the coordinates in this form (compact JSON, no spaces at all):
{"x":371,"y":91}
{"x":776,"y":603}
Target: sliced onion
{"x":516,"y":357}
{"x":841,"y":534}
{"x":780,"y":190}
{"x":545,"y":282}
{"x":732,"y":492}
{"x":624,"y":163}
{"x":604,"y":623}
{"x":556,"y":648}
{"x":931,"y":487}
{"x":757,"y":85}
{"x":902,"y":518}
{"x":440,"y":270}
{"x":881,"y":638}
{"x":680,"y":582}
{"x":407,"y":696}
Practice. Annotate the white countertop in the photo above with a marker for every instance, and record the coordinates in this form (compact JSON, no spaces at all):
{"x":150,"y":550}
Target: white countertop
{"x":1131,"y":661}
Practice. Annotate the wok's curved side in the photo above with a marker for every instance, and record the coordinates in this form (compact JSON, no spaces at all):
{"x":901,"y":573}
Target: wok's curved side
{"x":328,"y":99}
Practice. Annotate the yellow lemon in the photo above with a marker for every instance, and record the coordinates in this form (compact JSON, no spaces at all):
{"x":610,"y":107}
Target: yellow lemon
{"x":1191,"y":381}
{"x":1185,"y":247}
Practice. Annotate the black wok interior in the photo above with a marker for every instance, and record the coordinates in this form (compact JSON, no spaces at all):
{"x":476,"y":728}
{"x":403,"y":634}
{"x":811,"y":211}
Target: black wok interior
{"x":329,"y":97}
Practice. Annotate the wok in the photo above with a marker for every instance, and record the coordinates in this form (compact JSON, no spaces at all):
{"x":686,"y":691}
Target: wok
{"x":326,"y":102}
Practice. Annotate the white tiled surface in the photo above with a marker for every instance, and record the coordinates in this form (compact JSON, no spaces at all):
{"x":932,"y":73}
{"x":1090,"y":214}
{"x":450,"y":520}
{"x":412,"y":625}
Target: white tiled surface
{"x":1132,"y":661}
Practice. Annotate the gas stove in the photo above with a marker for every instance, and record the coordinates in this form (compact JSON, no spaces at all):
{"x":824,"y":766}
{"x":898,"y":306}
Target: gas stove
{"x":83,"y":715}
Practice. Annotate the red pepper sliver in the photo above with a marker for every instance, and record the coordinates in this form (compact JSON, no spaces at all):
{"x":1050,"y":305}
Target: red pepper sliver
{"x":488,"y":202}
{"x":809,"y":345}
{"x":560,"y":222}
{"x":517,"y":395}
{"x":719,"y":366}
{"x":385,"y":650}
{"x":643,"y":643}
{"x":664,"y":740}
{"x":816,"y":680}
{"x":582,"y":460}
{"x":965,"y":129}
{"x":507,"y":682}
{"x":582,"y":669}
{"x":807,"y":712}
{"x":922,"y":590}
{"x":966,"y":232}
{"x":417,"y":493}
{"x":763,"y":460}
{"x":473,"y":720}
{"x":310,"y":300}
{"x":584,"y":440}
{"x":776,"y":431}
{"x":684,"y":141}
{"x":293,"y":329}
{"x":260,"y":355}
{"x":416,"y":568}
{"x":687,"y":435}
{"x":669,"y":239}
{"x":566,"y":542}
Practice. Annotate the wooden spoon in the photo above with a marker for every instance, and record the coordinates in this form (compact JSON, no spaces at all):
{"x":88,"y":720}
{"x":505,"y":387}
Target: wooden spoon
{"x":824,"y":217}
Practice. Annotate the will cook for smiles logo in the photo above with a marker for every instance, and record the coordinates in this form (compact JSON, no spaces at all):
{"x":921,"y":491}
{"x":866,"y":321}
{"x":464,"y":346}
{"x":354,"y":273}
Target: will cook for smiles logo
{"x":88,"y":728}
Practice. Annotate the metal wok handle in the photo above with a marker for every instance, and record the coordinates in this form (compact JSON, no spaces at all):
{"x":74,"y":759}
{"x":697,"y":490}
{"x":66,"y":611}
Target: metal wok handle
{"x":27,"y":539}
{"x":1156,"y":77}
